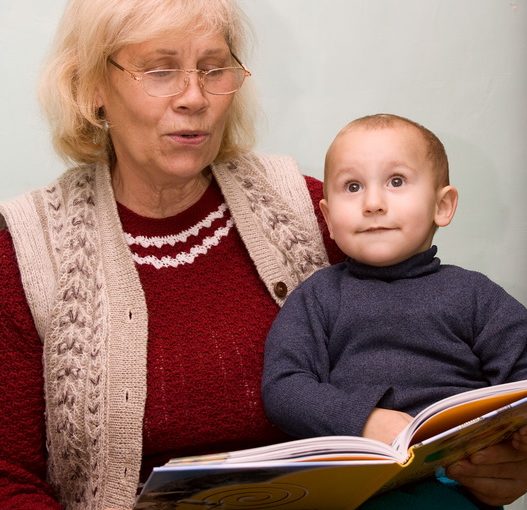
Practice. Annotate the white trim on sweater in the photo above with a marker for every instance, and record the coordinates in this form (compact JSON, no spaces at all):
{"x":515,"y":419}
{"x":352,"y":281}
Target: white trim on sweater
{"x":84,"y":292}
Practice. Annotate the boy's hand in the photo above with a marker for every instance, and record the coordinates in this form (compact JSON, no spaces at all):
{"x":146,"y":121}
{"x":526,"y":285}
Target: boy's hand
{"x":385,"y":424}
{"x":496,"y":475}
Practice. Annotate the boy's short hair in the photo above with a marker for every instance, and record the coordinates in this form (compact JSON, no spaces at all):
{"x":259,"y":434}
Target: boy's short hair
{"x":436,"y":151}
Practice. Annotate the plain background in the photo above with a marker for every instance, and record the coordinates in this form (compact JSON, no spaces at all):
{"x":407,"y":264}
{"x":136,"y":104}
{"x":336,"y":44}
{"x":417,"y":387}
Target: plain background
{"x":456,"y":66}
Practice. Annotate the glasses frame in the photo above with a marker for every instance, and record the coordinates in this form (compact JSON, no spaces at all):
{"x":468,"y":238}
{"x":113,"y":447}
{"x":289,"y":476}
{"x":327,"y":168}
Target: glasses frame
{"x":199,"y":72}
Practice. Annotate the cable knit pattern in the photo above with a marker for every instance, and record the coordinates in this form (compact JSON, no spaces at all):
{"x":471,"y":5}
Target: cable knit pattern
{"x":88,"y":298}
{"x":89,"y":308}
{"x":284,"y":246}
{"x":73,"y":348}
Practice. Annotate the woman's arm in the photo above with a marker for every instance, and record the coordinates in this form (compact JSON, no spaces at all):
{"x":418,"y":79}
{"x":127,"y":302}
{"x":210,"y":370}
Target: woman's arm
{"x":22,"y":425}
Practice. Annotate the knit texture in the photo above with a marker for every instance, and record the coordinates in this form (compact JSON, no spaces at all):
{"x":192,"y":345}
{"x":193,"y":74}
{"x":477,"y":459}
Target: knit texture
{"x":95,"y":389}
{"x":22,"y":427}
{"x":273,"y":213}
{"x":210,"y":313}
{"x":354,"y":337}
{"x":98,"y":321}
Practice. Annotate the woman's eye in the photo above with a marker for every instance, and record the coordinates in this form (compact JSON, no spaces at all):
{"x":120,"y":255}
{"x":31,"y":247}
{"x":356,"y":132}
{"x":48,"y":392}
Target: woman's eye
{"x":353,"y":187}
{"x":396,"y":182}
{"x":159,"y":73}
{"x":216,"y":74}
{"x":209,"y":66}
{"x":206,"y":69}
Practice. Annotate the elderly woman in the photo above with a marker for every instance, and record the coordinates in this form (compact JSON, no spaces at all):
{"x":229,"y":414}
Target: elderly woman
{"x":138,"y":288}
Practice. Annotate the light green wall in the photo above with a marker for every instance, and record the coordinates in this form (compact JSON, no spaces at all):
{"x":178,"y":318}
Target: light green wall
{"x":456,"y":66}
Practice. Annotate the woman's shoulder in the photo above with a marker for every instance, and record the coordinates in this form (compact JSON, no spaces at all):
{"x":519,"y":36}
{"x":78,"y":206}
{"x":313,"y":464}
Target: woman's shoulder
{"x":315,"y":189}
{"x":7,"y":249}
{"x":301,"y":192}
{"x":12,"y":296}
{"x":9,"y":273}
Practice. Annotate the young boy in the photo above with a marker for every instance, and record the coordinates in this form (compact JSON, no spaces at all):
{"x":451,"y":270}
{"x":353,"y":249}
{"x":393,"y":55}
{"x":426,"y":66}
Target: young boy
{"x":362,"y":345}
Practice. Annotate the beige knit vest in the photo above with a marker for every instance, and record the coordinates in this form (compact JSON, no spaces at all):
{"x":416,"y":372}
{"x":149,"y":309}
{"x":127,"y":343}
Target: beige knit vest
{"x":88,"y":305}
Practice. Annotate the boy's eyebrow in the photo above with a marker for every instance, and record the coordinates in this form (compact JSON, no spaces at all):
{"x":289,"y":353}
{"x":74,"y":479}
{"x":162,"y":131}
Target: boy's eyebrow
{"x":392,"y":164}
{"x":397,"y":163}
{"x":342,"y":171}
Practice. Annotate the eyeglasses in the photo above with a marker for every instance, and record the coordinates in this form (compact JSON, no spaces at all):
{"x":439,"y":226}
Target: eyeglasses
{"x":171,"y":82}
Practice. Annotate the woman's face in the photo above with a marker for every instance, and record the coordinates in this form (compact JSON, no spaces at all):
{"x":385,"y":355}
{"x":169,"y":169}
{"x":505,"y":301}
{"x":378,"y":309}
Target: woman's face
{"x":166,"y":139}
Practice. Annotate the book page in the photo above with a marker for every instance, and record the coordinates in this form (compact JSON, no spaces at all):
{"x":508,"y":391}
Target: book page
{"x":310,"y":449}
{"x":464,"y":440}
{"x":456,"y":410}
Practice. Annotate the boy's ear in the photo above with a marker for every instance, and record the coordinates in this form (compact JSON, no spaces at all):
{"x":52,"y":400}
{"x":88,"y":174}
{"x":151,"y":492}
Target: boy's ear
{"x":325,"y":211}
{"x":446,"y":205}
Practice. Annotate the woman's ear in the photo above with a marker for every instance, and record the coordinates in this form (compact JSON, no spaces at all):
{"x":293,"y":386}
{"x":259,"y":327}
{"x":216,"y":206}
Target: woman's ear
{"x":446,"y":205}
{"x":325,"y":211}
{"x":99,"y":103}
{"x":98,"y":98}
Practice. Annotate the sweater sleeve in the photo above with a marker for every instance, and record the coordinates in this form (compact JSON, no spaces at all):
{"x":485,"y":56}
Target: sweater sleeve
{"x":22,"y":425}
{"x":297,"y":392}
{"x":499,"y":332}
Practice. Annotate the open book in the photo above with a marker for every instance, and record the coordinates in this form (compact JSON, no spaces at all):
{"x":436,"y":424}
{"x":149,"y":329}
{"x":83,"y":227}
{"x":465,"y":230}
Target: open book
{"x":339,"y":472}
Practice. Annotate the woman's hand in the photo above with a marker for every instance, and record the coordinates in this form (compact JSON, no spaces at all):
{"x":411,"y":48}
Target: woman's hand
{"x":385,"y":424}
{"x":496,"y":475}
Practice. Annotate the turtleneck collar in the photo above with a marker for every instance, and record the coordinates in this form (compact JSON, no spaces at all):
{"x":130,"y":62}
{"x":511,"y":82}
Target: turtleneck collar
{"x":423,"y":263}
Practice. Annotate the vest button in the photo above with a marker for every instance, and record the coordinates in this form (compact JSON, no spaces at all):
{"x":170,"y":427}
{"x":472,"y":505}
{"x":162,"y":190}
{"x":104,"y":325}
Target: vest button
{"x":280,"y":289}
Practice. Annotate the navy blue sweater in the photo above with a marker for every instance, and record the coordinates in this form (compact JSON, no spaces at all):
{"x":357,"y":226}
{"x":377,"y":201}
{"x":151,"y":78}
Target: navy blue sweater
{"x":354,"y":337}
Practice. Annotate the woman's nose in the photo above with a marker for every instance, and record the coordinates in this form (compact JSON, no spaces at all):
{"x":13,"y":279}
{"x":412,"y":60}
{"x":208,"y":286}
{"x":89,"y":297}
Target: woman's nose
{"x":193,"y":96}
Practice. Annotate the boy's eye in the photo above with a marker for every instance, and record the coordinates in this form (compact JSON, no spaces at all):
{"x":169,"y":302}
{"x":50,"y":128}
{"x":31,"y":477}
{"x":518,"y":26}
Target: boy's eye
{"x":396,"y":182}
{"x":353,"y":187}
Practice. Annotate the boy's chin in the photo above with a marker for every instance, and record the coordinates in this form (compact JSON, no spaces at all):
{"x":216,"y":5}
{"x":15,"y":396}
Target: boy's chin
{"x":379,"y":258}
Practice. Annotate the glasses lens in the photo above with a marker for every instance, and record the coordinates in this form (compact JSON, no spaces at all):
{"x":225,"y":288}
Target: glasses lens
{"x":225,"y":80}
{"x":170,"y":82}
{"x":164,"y":83}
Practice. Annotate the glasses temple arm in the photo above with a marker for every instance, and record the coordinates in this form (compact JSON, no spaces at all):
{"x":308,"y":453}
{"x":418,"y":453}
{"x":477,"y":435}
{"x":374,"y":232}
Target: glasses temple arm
{"x":113,"y":62}
{"x":239,"y":62}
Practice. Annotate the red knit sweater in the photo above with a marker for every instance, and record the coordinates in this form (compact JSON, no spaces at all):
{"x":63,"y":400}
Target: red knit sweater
{"x":208,"y":314}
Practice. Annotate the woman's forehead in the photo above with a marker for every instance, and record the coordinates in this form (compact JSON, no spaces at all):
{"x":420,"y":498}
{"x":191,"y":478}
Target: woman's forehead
{"x":176,"y":19}
{"x":179,"y":45}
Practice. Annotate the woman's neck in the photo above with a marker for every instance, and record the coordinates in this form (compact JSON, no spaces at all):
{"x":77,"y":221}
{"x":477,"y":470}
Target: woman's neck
{"x":158,"y":200}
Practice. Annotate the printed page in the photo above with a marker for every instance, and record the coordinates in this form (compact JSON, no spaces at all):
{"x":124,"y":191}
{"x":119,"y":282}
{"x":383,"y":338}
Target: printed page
{"x":456,"y":410}
{"x":466,"y":439}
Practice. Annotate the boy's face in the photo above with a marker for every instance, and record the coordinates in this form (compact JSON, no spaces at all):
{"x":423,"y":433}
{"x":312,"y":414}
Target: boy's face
{"x":382,"y":197}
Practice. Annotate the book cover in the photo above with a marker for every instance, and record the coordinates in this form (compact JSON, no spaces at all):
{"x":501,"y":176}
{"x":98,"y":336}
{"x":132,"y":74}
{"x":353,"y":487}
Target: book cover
{"x":339,"y":472}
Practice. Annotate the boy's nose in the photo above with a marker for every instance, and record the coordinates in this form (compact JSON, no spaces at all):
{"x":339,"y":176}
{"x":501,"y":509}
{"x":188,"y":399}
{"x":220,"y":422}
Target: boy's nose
{"x":374,"y":202}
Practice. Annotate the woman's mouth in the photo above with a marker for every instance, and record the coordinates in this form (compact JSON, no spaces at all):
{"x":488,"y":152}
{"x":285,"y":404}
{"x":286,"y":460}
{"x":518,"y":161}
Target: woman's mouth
{"x":189,"y":137}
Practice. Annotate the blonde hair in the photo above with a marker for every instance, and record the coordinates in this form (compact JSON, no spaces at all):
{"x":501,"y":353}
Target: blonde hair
{"x":92,"y":30}
{"x":436,"y":152}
